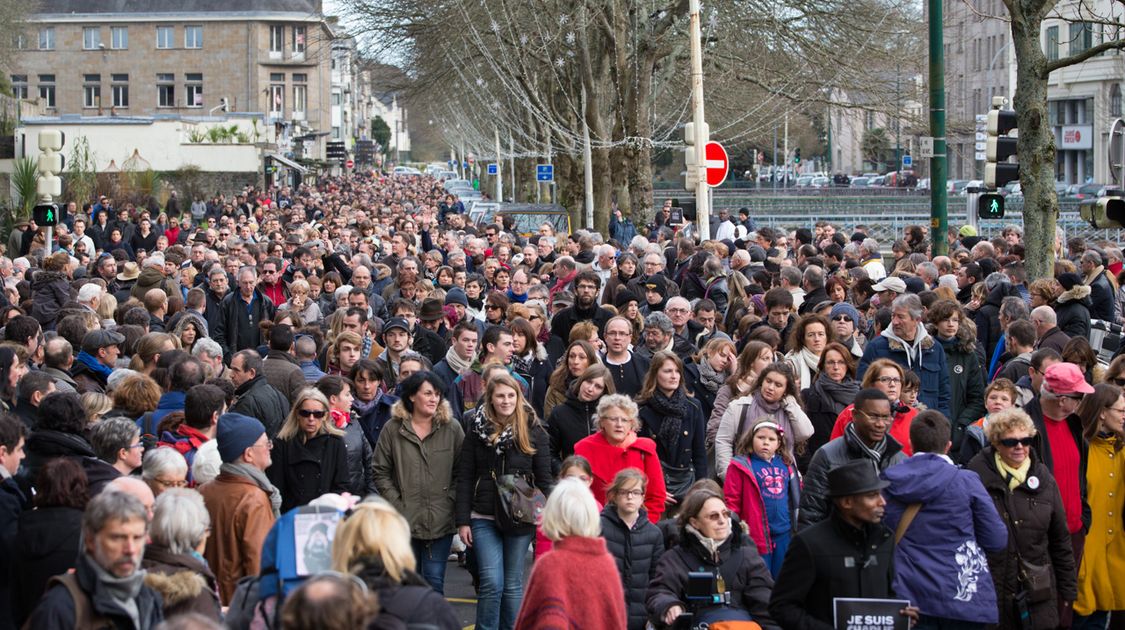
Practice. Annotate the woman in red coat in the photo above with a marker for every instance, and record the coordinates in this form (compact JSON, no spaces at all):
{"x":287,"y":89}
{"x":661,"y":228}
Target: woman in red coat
{"x":575,"y":584}
{"x":615,"y":447}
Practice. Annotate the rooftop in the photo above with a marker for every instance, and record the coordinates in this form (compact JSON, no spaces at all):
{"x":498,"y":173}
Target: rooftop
{"x":151,"y":7}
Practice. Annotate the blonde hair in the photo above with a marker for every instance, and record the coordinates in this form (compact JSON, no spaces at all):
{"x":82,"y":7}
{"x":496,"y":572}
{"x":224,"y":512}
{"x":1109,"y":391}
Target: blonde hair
{"x":292,"y":426}
{"x":622,"y":402}
{"x":571,"y":511}
{"x":96,"y":405}
{"x":1002,"y":422}
{"x":520,"y":420}
{"x":374,"y":530}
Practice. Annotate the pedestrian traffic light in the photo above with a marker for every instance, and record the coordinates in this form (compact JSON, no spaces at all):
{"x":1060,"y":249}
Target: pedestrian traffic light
{"x":50,"y":164}
{"x":45,"y":214}
{"x":1001,"y":146}
{"x":797,"y":155}
{"x":691,"y":154}
{"x":990,"y":206}
{"x":1105,"y":212}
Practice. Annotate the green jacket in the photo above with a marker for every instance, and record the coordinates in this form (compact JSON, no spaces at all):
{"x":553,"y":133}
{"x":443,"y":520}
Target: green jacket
{"x":416,"y":475}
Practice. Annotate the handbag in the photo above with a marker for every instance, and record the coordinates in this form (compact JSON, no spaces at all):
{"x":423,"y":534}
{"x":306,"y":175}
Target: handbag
{"x":519,"y":504}
{"x":677,"y":480}
{"x":1036,"y":580}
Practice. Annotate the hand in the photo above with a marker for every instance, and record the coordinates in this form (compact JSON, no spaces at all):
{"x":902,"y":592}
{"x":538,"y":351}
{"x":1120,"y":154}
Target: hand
{"x":673,"y":612}
{"x":466,"y":534}
{"x":912,"y":612}
{"x":670,"y":500}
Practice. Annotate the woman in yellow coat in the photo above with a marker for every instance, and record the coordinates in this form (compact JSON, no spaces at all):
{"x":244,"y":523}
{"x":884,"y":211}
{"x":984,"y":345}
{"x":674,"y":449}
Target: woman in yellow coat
{"x":1100,"y":585}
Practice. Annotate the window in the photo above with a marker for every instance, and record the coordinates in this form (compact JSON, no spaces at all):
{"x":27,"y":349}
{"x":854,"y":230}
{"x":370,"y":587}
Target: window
{"x":300,"y":98}
{"x":1115,"y":100}
{"x":194,"y":89}
{"x":120,"y":90}
{"x":19,"y":86}
{"x":300,"y":77}
{"x":277,"y":40}
{"x":92,"y":91}
{"x":165,"y":37}
{"x":277,"y":100}
{"x":19,"y":41}
{"x":277,"y":77}
{"x":298,"y":40}
{"x":165,"y":89}
{"x":335,"y":133}
{"x":1052,"y":51}
{"x":91,"y":38}
{"x":193,"y":37}
{"x":336,"y":98}
{"x":119,"y":37}
{"x":1081,"y":37}
{"x":47,"y":38}
{"x":47,"y":89}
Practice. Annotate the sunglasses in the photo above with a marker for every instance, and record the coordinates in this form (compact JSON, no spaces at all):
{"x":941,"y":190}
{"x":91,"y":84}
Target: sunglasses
{"x":1014,"y":442}
{"x":310,"y":413}
{"x":841,"y":318}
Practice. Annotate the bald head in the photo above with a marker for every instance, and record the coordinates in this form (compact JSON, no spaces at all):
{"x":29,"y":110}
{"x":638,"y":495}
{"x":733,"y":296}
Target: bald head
{"x":134,"y":487}
{"x":1044,"y":319}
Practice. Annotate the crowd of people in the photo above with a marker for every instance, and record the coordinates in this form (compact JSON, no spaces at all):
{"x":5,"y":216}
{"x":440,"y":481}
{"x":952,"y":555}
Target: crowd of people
{"x":294,"y":406}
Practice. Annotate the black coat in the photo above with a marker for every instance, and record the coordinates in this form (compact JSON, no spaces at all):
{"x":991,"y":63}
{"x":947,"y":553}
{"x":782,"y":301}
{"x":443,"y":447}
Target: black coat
{"x":212,"y":311}
{"x":637,"y":551}
{"x":1072,"y":311}
{"x":1040,"y":535}
{"x":987,"y":317}
{"x":822,"y":412}
{"x":746,"y":576}
{"x":565,"y":319}
{"x":831,"y":559}
{"x":237,"y":327}
{"x":476,"y":489}
{"x":836,"y":453}
{"x":410,"y":602}
{"x":569,"y":422}
{"x":628,"y":378}
{"x":43,"y":446}
{"x":689,"y":451}
{"x":258,"y":399}
{"x":966,"y":383}
{"x":56,"y":610}
{"x":1102,"y":305}
{"x":47,"y":543}
{"x":429,"y":344}
{"x":303,"y":470}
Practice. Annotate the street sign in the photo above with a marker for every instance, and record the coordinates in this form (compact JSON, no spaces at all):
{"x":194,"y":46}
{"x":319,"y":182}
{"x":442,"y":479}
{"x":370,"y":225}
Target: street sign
{"x":981,"y":136}
{"x":716,"y":162}
{"x":926,"y":147}
{"x":907,"y":161}
{"x":335,"y":150}
{"x":492,"y":169}
{"x":544,"y":172}
{"x":980,"y":146}
{"x":982,"y":118}
{"x":980,"y":156}
{"x":349,"y":164}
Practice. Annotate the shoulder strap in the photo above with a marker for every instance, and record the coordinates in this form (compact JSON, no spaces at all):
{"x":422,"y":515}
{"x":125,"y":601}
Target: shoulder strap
{"x":742,"y":423}
{"x":907,"y":518}
{"x":146,"y":424}
{"x":84,"y":615}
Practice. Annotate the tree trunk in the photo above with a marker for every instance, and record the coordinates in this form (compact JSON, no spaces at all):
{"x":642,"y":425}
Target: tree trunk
{"x":1036,"y":145}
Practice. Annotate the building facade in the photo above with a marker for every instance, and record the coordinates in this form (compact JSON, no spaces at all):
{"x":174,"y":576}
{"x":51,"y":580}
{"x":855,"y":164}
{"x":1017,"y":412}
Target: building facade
{"x":190,"y":58}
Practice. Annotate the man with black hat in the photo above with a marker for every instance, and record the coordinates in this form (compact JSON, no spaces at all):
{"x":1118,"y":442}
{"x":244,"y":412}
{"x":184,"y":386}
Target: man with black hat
{"x":849,"y":555}
{"x":94,"y":364}
{"x":865,"y":439}
{"x":428,"y":326}
{"x":396,"y":339}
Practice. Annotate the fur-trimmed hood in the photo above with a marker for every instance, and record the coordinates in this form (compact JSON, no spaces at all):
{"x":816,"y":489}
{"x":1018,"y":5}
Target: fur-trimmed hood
{"x":444,"y":412}
{"x":966,"y":339}
{"x":176,"y":588}
{"x":1077,"y":294}
{"x":42,"y":278}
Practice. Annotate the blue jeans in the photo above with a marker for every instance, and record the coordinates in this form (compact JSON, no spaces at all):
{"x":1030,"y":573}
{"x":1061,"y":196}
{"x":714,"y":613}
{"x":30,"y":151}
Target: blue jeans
{"x":774,"y":559}
{"x":1096,"y":620}
{"x":432,"y":556}
{"x":501,"y":558}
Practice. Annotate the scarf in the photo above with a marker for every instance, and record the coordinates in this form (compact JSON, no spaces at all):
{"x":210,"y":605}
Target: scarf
{"x":456,"y":363}
{"x":839,"y":395}
{"x":711,"y":379}
{"x":913,"y":350}
{"x":522,"y":365}
{"x":709,"y":544}
{"x":258,"y":477}
{"x":1093,"y":275}
{"x":515,"y":299}
{"x":341,"y":418}
{"x":673,"y":410}
{"x":874,"y":453}
{"x":805,"y":362}
{"x":1014,"y":476}
{"x":121,"y":591}
{"x":92,"y":363}
{"x":483,"y":428}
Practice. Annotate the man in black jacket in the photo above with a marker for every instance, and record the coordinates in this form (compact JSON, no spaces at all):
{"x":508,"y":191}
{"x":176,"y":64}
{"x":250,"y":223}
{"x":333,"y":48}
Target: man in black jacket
{"x":586,"y":286}
{"x":215,"y":289}
{"x":254,"y":396}
{"x":240,"y":313}
{"x":1101,"y":290}
{"x":849,"y":555}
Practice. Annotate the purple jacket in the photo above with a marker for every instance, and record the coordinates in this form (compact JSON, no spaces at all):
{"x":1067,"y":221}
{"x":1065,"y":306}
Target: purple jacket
{"x":940,"y":564}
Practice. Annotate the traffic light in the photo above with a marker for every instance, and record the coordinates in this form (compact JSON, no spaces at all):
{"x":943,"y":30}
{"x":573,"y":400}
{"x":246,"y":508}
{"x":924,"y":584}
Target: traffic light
{"x":990,"y":206}
{"x":1105,"y":212}
{"x":691,"y":155}
{"x":45,"y":214}
{"x":50,"y":164}
{"x":998,"y":171}
{"x":797,"y":155}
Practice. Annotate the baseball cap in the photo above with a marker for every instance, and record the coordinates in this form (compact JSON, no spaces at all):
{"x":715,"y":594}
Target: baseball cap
{"x":1065,"y":379}
{"x":890,"y":283}
{"x":396,"y":322}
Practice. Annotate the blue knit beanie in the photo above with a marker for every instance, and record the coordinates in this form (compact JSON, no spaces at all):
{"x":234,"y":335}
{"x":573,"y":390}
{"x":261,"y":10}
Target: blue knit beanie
{"x":845,"y":309}
{"x":235,"y":433}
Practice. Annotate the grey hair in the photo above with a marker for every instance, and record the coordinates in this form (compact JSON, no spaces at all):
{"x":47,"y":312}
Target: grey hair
{"x":995,"y":279}
{"x":111,"y":506}
{"x":1046,"y":314}
{"x":870,"y":245}
{"x":638,"y":242}
{"x":163,"y":460}
{"x":571,"y":511}
{"x":111,"y":435}
{"x":1092,"y":256}
{"x":622,"y":402}
{"x":604,"y":250}
{"x":661,"y":321}
{"x":792,"y":275}
{"x":1013,"y":307}
{"x":179,"y":520}
{"x":1012,"y":228}
{"x":88,"y":292}
{"x":208,"y":346}
{"x":814,"y":276}
{"x":911,"y":303}
{"x":305,"y":347}
{"x":411,"y":355}
{"x":117,"y":376}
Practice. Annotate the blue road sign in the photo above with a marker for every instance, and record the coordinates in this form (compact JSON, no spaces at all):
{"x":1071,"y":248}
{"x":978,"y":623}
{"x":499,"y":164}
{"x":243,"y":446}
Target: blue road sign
{"x":492,"y":169}
{"x":544,"y":172}
{"x":907,"y":161}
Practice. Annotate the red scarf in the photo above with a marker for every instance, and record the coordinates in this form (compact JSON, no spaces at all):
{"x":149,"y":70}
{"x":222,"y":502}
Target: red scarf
{"x":341,"y":418}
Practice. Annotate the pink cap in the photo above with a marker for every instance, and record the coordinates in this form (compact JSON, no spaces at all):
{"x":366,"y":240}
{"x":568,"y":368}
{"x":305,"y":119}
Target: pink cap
{"x":1066,"y":378}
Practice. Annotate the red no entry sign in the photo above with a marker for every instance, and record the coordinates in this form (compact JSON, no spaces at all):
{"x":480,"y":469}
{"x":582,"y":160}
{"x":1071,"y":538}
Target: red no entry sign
{"x":349,"y":164}
{"x":716,"y":162}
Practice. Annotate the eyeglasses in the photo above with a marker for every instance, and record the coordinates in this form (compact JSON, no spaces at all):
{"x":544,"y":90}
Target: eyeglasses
{"x":633,"y":494}
{"x":717,"y":517}
{"x":174,"y":483}
{"x":1120,"y":382}
{"x":889,"y":380}
{"x":491,"y":307}
{"x":1014,"y":442}
{"x":310,"y":413}
{"x":1118,"y":410}
{"x":841,"y":318}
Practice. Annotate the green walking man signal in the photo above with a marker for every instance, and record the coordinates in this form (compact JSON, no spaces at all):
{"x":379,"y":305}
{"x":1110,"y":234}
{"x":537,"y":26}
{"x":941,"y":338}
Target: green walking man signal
{"x":45,"y":214}
{"x":990,"y":206}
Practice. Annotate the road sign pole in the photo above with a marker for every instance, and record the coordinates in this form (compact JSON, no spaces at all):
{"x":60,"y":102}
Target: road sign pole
{"x":939,"y":217}
{"x":702,"y":198}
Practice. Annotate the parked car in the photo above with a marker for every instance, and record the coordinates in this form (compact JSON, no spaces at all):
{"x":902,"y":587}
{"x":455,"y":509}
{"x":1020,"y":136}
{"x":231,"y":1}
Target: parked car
{"x":1086,"y":191}
{"x":820,"y":182}
{"x":450,"y":184}
{"x":876,"y":182}
{"x":861,"y":182}
{"x":804,"y":181}
{"x":407,"y":171}
{"x":1012,"y":189}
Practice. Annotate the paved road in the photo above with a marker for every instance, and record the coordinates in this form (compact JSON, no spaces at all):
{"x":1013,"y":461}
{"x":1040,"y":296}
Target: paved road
{"x":460,"y":593}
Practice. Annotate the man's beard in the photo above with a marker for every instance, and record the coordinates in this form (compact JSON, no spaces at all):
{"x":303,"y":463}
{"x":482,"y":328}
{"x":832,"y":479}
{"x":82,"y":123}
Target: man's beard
{"x":585,"y":302}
